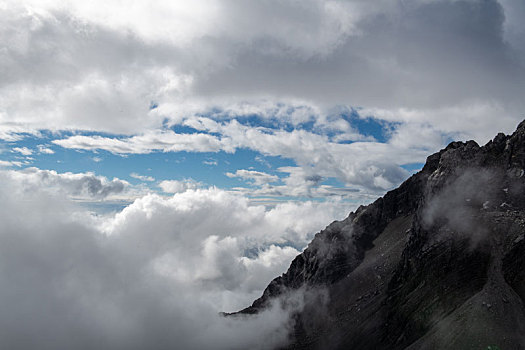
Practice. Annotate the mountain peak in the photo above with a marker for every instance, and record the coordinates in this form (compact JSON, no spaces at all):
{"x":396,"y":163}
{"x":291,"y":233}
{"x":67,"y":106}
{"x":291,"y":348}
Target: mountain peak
{"x":521,"y":127}
{"x":437,"y":263}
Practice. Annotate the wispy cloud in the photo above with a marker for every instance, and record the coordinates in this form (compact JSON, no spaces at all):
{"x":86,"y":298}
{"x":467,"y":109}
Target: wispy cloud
{"x":142,"y":177}
{"x":210,"y":162}
{"x":45,"y":149}
{"x":6,"y":163}
{"x":23,"y":150}
{"x":167,"y":141}
{"x":256,"y":177}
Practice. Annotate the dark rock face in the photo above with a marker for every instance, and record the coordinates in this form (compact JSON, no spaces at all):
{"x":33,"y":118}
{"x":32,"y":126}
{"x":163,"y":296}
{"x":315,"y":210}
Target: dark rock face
{"x":438,"y":263}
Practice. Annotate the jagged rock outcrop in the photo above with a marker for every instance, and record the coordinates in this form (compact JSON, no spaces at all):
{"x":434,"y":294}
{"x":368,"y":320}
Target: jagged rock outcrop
{"x":438,"y":263}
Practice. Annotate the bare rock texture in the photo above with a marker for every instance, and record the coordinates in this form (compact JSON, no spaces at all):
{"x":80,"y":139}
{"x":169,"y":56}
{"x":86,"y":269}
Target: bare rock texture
{"x":438,"y":263}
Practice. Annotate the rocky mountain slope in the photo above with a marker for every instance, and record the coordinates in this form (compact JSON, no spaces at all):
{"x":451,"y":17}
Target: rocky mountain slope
{"x":438,"y":263}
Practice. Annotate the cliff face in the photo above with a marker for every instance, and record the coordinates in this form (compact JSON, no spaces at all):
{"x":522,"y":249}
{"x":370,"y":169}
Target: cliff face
{"x":438,"y":263}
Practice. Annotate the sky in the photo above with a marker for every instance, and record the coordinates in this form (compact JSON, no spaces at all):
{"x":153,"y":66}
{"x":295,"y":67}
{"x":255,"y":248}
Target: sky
{"x":161,"y":162}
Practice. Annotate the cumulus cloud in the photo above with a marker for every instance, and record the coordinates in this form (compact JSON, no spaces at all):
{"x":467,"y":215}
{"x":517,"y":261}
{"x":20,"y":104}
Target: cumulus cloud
{"x":176,"y":186}
{"x":154,"y":275}
{"x":213,"y":204}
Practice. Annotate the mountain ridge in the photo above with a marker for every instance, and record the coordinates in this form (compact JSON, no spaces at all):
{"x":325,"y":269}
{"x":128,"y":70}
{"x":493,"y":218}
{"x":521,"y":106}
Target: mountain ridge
{"x":436,"y":263}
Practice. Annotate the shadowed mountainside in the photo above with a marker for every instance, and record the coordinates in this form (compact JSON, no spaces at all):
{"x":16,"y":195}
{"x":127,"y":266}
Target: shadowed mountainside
{"x":438,"y":263}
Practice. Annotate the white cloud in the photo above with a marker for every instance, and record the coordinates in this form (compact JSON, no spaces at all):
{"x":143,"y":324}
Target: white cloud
{"x":210,"y":162}
{"x":371,"y":165}
{"x":241,"y":219}
{"x":45,"y":150}
{"x":93,"y":82}
{"x":180,"y":23}
{"x":416,"y":64}
{"x":263,"y":161}
{"x":6,"y":163}
{"x":161,"y":269}
{"x":175,"y":186}
{"x":267,"y":265}
{"x":23,"y":150}
{"x":165,"y":141}
{"x":258,"y":178}
{"x":299,"y":184}
{"x":103,"y":65}
{"x":142,"y":177}
{"x":84,"y":186}
{"x":472,"y":120}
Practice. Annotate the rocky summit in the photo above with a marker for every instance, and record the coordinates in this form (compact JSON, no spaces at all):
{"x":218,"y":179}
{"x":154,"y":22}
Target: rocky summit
{"x":438,"y":263}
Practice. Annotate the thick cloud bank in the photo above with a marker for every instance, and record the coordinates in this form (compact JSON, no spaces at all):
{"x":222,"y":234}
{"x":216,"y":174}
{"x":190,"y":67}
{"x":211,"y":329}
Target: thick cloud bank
{"x":154,"y":275}
{"x":120,"y":67}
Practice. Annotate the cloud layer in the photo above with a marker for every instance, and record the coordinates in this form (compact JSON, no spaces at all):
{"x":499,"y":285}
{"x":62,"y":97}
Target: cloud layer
{"x":86,"y":186}
{"x":154,"y":275}
{"x":105,"y":65}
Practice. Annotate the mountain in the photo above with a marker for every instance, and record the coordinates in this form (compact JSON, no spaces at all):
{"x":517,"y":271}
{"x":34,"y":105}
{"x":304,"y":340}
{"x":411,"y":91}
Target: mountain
{"x":438,"y":263}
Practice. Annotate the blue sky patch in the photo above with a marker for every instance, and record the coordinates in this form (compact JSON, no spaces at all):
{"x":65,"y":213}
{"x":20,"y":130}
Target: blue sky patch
{"x":206,"y":168}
